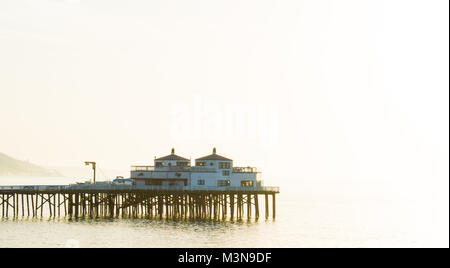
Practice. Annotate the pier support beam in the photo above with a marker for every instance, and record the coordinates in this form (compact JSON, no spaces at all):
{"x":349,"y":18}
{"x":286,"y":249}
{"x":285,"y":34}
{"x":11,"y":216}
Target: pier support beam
{"x":273,"y":206}
{"x":249,"y":206}
{"x":256,"y":206}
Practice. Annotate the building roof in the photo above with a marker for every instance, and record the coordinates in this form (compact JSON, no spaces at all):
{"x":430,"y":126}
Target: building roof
{"x":214,"y":156}
{"x":172,"y":156}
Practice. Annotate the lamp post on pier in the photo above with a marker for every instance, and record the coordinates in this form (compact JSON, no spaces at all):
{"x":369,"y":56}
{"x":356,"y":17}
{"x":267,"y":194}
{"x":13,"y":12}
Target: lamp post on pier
{"x":87,"y":163}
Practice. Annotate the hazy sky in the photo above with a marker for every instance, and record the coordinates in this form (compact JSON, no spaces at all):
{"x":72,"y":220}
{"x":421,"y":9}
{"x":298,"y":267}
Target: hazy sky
{"x":306,"y":90}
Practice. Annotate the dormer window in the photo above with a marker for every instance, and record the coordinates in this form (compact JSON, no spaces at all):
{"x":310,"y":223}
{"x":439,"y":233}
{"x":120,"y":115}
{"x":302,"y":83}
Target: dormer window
{"x":159,"y":164}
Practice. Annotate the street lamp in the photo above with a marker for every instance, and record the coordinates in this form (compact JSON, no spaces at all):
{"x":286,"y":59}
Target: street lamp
{"x":93,"y":167}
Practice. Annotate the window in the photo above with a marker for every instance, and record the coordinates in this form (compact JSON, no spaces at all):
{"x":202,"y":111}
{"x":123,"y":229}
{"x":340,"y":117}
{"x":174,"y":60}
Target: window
{"x":211,"y":164}
{"x":224,"y":165}
{"x":153,"y":182}
{"x":225,"y":173}
{"x":200,"y":164}
{"x":201,"y":182}
{"x":159,"y":164}
{"x":223,"y":183}
{"x":246,"y":183}
{"x":182,"y":164}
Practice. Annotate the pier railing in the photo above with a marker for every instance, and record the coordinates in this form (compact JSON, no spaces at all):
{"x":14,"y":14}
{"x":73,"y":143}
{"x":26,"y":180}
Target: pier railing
{"x":35,"y":187}
{"x":172,"y":168}
{"x":110,"y":187}
{"x":142,"y":168}
{"x":176,"y":188}
{"x":245,"y":170}
{"x":193,"y":169}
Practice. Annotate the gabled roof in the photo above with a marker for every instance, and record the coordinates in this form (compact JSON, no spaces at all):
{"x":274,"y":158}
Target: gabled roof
{"x":214,"y":156}
{"x":172,"y":156}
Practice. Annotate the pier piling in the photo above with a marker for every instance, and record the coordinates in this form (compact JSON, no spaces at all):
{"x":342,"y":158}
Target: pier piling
{"x":91,"y":203}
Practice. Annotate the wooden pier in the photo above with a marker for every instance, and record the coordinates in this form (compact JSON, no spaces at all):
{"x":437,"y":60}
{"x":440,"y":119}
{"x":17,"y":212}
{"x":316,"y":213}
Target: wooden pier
{"x":94,"y":201}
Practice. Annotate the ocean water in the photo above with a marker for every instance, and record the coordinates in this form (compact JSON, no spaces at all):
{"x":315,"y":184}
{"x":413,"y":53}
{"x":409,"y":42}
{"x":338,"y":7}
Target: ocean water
{"x":303,"y":220}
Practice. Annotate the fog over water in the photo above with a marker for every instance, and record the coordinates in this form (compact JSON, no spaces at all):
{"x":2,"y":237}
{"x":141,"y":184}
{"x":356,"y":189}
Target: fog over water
{"x":343,"y":104}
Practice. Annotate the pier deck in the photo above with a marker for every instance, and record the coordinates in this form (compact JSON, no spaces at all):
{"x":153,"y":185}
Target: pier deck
{"x":105,"y":200}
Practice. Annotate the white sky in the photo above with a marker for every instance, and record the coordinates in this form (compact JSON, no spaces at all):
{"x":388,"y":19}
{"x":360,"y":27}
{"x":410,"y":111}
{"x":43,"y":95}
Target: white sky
{"x":326,"y":90}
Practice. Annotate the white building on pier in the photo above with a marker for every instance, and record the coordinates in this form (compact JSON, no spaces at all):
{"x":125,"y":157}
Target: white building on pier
{"x":209,"y":171}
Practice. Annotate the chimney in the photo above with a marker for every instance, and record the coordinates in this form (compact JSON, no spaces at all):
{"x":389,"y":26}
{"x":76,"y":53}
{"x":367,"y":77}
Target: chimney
{"x":214,"y":150}
{"x":173,"y":150}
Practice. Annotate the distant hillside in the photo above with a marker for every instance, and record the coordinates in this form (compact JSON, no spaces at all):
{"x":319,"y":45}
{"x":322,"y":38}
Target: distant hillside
{"x":13,"y":167}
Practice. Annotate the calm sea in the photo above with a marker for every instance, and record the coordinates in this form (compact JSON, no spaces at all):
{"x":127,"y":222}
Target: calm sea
{"x":303,"y":220}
